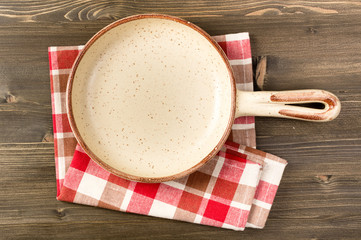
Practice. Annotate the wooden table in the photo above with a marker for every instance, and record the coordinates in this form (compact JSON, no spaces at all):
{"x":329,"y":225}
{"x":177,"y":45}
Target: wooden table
{"x":307,"y":45}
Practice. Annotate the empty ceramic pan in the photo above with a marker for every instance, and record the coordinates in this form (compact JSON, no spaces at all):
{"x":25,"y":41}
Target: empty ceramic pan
{"x":151,"y":98}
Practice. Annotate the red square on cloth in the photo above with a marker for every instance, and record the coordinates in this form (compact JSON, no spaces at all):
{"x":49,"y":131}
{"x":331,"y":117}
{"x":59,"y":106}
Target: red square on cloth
{"x":118,"y":180}
{"x":190,"y":202}
{"x":235,"y":50}
{"x":216,"y":211}
{"x":224,"y":189}
{"x":63,"y":59}
{"x":67,"y":194}
{"x":82,"y":161}
{"x":61,"y":123}
{"x":147,"y":189}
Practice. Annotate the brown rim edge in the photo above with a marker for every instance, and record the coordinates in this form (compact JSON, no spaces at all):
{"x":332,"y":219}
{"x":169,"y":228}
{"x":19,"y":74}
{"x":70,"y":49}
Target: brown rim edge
{"x":123,"y":174}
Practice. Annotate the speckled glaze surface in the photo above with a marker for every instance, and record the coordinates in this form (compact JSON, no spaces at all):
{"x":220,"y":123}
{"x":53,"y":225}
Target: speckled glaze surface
{"x":151,"y":98}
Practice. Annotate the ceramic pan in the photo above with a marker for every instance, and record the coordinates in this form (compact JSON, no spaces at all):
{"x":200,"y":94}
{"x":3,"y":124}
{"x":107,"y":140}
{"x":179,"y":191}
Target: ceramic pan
{"x":152,"y":98}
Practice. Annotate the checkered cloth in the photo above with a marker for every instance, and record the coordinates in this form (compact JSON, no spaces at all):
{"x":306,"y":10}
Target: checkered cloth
{"x":233,"y":190}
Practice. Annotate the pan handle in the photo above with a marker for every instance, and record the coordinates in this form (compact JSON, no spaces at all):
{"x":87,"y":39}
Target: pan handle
{"x":277,"y":104}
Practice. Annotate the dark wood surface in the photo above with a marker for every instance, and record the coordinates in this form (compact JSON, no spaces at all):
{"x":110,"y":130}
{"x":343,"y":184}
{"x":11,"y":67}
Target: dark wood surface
{"x":307,"y":45}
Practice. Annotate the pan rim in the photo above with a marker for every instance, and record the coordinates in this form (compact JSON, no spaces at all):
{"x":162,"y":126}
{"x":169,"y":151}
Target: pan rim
{"x":106,"y":166}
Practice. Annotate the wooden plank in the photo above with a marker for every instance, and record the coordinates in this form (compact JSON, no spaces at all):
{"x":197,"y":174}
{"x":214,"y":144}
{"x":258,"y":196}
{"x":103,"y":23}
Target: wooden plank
{"x":82,"y":10}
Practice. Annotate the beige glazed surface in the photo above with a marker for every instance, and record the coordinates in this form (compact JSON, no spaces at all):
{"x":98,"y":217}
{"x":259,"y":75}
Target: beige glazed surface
{"x":152,"y":97}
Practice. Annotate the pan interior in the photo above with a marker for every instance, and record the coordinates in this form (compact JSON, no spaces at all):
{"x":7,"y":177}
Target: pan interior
{"x":151,"y":97}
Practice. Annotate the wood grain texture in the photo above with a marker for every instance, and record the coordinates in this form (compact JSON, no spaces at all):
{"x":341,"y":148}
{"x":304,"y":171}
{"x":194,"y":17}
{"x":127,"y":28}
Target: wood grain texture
{"x":307,"y":45}
{"x":81,"y":10}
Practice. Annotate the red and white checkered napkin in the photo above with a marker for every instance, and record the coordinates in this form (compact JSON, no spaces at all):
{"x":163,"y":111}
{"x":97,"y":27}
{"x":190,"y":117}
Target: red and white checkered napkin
{"x":233,"y":190}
